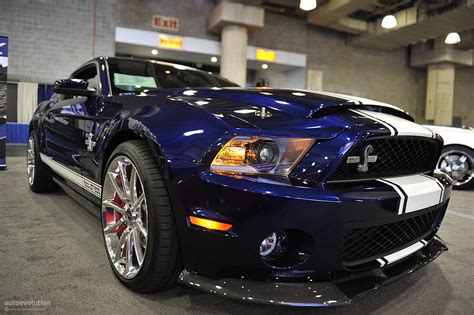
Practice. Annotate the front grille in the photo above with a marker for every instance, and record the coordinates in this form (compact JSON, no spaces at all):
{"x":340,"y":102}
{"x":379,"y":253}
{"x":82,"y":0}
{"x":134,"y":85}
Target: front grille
{"x":368,"y":243}
{"x":396,"y":156}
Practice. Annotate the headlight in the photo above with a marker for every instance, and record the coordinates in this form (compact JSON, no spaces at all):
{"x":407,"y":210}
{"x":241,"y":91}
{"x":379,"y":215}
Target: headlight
{"x":255,"y":155}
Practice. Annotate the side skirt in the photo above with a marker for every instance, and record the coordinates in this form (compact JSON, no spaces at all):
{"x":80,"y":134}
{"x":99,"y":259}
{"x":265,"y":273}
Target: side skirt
{"x":91,"y":207}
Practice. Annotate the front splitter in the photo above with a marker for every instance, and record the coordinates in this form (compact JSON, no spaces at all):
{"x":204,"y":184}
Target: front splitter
{"x":313,"y":294}
{"x":283,"y":293}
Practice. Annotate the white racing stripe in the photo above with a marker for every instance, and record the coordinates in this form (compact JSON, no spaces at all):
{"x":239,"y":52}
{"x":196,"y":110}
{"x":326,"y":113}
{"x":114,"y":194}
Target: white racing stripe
{"x":416,"y":192}
{"x":74,"y":177}
{"x":346,"y":97}
{"x":396,"y":125}
{"x":407,"y":251}
{"x":354,"y":99}
{"x":403,"y":196}
{"x":403,"y":127}
{"x":393,"y":131}
{"x":438,"y":183}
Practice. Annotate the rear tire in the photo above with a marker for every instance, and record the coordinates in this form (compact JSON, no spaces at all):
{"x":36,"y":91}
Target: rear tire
{"x":149,"y":258}
{"x":38,"y":174}
{"x":457,"y":161}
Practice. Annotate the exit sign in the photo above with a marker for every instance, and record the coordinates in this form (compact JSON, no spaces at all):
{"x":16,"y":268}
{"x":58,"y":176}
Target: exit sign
{"x":167,"y":23}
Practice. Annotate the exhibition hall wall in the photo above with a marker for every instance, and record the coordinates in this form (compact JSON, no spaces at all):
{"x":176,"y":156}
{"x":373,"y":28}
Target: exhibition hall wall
{"x":45,"y":49}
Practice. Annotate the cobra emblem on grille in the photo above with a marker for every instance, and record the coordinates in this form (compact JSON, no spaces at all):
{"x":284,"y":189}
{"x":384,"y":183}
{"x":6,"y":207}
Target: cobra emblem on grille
{"x":363,"y":160}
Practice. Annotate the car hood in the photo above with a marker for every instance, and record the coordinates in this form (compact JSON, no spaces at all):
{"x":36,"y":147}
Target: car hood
{"x":278,"y":109}
{"x":300,"y":103}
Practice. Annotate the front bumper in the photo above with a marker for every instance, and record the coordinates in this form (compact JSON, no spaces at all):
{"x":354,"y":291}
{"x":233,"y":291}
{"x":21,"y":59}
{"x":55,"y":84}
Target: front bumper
{"x":325,"y":214}
{"x":340,"y":291}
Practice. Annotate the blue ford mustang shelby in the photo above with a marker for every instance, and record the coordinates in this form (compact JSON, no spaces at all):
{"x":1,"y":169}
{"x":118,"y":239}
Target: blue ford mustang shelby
{"x":268,"y":195}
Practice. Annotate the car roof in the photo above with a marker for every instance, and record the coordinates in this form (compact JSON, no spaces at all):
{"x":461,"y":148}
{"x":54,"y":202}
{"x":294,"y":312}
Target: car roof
{"x":153,"y":61}
{"x":164,"y":63}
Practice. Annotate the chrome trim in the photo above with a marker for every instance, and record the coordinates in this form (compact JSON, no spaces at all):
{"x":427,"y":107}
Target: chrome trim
{"x":106,"y":61}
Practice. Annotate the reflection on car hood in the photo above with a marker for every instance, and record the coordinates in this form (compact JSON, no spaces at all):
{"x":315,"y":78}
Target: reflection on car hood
{"x":299,"y":103}
{"x":304,"y":113}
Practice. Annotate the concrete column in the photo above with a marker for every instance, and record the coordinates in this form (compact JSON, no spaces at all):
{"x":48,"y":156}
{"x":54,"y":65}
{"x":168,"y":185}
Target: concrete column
{"x":441,"y":61}
{"x":440,"y":94}
{"x":234,"y":40}
{"x":234,"y":21}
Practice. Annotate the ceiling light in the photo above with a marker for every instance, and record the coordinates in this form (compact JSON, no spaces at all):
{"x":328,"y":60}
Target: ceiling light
{"x":389,"y":21}
{"x":264,"y":66}
{"x":214,"y":59}
{"x":452,"y":38}
{"x":154,"y":52}
{"x":308,"y":5}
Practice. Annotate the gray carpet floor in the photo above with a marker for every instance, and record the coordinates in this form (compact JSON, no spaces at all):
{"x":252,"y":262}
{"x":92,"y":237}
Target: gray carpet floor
{"x":52,"y":250}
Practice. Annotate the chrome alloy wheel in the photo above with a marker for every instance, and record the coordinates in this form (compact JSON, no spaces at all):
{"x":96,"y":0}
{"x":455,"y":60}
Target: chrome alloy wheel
{"x":457,"y":165}
{"x":30,"y":160}
{"x":124,"y":217}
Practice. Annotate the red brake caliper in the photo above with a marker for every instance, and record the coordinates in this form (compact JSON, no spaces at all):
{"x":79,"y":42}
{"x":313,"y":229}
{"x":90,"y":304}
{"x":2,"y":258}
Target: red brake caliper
{"x":113,"y":216}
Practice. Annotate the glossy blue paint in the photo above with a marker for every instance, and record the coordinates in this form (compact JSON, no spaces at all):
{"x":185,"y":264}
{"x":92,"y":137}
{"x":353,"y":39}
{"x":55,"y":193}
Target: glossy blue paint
{"x":65,"y":124}
{"x":185,"y":128}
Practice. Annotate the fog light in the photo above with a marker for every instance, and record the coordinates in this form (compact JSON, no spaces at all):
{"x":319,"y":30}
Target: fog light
{"x":273,"y":246}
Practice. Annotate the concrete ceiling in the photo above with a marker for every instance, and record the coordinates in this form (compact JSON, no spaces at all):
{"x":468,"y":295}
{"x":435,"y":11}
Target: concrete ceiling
{"x":418,"y":28}
{"x":418,"y":20}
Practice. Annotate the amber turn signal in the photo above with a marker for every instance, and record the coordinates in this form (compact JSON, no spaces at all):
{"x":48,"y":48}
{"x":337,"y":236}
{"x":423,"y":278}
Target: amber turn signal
{"x":210,"y":224}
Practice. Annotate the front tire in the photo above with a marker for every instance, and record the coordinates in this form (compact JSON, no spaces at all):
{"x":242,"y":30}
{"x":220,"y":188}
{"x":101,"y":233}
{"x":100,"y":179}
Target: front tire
{"x":38,"y":174}
{"x":457,"y":161}
{"x":139,"y":231}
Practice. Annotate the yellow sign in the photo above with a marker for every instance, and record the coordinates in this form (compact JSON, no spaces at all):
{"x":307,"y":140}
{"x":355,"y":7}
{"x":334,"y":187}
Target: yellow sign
{"x":265,"y":55}
{"x":171,"y":42}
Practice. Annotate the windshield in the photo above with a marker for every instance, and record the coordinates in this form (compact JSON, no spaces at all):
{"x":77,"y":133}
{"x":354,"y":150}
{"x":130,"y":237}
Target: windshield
{"x":136,"y":76}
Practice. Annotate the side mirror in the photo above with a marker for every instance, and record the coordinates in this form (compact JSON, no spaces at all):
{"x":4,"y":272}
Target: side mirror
{"x":74,"y":87}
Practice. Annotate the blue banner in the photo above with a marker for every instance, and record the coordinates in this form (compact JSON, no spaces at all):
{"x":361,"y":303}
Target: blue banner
{"x":3,"y":99}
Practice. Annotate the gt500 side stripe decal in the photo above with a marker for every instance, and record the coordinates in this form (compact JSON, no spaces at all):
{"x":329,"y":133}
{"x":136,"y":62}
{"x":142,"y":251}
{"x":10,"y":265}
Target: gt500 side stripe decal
{"x":416,"y":192}
{"x":74,"y":177}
